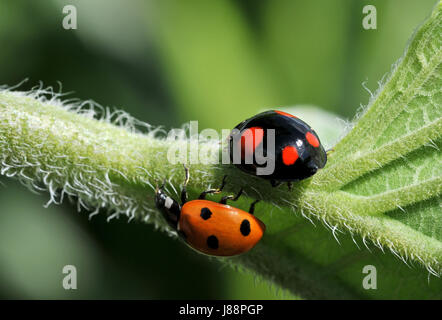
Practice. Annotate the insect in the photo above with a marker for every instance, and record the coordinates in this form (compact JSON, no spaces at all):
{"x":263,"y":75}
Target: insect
{"x":210,"y":227}
{"x":297,"y":153}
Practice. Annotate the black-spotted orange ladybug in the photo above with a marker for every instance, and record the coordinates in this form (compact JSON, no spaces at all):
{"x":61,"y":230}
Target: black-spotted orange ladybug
{"x":296,"y":154}
{"x":210,"y":227}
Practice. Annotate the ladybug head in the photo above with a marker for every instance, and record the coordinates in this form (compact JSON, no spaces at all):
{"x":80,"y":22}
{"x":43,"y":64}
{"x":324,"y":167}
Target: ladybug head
{"x":169,"y":207}
{"x":313,"y":167}
{"x":160,"y":196}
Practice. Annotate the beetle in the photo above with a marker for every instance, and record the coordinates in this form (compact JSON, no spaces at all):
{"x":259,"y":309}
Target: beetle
{"x":212,"y":228}
{"x":298,"y":152}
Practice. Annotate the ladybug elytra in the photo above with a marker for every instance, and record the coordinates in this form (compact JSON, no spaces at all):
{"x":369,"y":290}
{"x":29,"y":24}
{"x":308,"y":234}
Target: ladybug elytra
{"x":296,"y":152}
{"x":210,"y":227}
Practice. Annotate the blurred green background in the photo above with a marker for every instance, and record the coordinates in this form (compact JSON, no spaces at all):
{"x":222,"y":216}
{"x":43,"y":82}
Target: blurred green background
{"x":168,"y":62}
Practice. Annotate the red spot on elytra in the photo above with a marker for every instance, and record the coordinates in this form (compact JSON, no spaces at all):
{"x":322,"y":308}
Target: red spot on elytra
{"x":311,"y":138}
{"x":289,"y":155}
{"x":282,"y":113}
{"x":250,"y":139}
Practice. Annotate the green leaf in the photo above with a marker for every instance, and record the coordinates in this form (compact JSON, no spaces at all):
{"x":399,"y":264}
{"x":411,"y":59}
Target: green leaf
{"x":388,"y":166}
{"x":381,"y":186}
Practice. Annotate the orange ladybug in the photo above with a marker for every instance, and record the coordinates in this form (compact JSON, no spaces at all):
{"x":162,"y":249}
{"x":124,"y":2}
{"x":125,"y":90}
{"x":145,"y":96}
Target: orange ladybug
{"x":210,"y":227}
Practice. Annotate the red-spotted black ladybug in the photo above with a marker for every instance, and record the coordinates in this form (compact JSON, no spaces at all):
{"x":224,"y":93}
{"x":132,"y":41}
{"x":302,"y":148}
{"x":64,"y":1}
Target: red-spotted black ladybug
{"x":294,"y":153}
{"x":210,"y":227}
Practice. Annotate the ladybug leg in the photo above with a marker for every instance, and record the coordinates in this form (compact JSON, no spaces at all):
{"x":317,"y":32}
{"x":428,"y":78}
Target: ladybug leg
{"x":289,"y":185}
{"x":231,"y":197}
{"x":184,"y":189}
{"x":202,"y":196}
{"x":329,"y":151}
{"x":275,"y":183}
{"x":252,"y":206}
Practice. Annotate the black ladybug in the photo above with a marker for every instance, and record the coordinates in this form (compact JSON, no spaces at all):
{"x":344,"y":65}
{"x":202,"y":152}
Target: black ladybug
{"x":276,"y":146}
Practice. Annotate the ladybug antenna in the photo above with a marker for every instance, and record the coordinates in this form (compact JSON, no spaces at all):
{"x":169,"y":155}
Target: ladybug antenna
{"x":186,"y":180}
{"x":160,"y":187}
{"x":223,"y":183}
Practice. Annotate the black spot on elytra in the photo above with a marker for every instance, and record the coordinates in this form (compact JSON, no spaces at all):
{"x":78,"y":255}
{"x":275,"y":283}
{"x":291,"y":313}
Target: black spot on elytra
{"x":245,"y":227}
{"x":212,"y":242}
{"x":205,"y":213}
